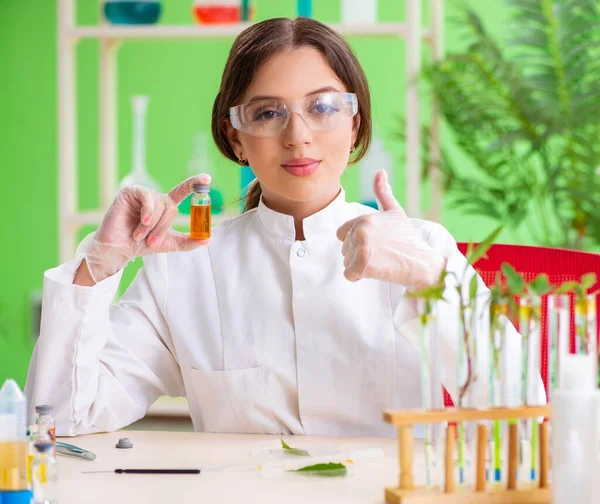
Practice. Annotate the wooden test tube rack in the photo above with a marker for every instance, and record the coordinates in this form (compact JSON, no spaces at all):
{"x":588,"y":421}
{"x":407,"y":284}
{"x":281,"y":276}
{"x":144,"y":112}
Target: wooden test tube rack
{"x":480,"y":492}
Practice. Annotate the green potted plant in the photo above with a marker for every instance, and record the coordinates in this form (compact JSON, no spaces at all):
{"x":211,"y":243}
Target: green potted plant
{"x":527,"y":113}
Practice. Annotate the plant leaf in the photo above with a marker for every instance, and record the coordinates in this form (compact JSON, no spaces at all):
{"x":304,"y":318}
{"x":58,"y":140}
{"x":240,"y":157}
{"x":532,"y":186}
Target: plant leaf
{"x":293,"y":451}
{"x":329,"y":469}
{"x":588,"y":281}
{"x":565,"y":287}
{"x":540,"y":285}
{"x":514,"y":280}
{"x":473,"y":255}
{"x":473,"y":288}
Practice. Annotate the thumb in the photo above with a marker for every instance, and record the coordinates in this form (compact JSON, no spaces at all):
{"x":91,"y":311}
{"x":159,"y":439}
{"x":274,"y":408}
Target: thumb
{"x":178,"y":242}
{"x":181,"y":191}
{"x":383,"y":193}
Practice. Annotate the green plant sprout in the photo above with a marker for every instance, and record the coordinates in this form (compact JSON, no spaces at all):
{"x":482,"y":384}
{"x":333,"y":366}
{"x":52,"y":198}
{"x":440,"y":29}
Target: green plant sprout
{"x":293,"y":451}
{"x":502,"y":309}
{"x":582,"y":299}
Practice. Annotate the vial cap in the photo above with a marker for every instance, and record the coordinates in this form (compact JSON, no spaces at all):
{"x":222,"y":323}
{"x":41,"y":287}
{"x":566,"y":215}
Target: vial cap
{"x":44,"y":409}
{"x":201,"y":187}
{"x":124,"y":443}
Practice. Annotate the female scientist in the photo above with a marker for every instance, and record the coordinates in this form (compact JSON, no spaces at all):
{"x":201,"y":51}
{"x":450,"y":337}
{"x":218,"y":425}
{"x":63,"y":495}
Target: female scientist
{"x":293,"y":318}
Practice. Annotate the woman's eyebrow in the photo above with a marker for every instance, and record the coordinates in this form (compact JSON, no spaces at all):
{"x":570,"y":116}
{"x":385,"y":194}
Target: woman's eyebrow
{"x":326,"y":89}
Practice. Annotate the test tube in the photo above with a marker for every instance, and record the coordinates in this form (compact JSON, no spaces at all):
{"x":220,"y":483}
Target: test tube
{"x":558,"y":336}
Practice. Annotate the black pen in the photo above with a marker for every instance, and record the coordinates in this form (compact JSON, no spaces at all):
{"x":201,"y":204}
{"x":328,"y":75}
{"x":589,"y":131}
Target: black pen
{"x":148,"y":471}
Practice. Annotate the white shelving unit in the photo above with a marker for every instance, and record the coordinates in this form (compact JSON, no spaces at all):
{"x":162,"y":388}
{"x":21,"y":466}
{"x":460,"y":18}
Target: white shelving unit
{"x":110,"y":37}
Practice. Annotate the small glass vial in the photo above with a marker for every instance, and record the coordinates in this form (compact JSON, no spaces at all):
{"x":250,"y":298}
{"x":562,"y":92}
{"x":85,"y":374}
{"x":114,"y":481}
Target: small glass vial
{"x":44,"y":419}
{"x":37,"y":434}
{"x":44,"y":475}
{"x":200,"y":213}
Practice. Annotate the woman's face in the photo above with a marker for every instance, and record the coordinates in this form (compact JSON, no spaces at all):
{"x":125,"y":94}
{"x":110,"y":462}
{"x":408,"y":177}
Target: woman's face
{"x":299,"y":170}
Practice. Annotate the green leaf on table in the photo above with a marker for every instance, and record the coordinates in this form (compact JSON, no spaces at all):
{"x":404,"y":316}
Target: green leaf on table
{"x":293,"y":451}
{"x":540,"y":285}
{"x":329,"y":469}
{"x":476,"y":253}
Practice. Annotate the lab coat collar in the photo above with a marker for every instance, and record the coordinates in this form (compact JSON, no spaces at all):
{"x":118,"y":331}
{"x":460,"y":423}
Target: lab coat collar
{"x":282,"y":225}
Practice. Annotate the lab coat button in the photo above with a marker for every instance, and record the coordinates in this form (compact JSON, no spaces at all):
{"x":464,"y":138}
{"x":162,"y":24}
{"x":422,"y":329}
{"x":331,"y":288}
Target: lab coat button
{"x":301,"y":252}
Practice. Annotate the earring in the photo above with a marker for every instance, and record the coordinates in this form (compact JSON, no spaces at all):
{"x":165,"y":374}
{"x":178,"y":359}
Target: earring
{"x":241,"y":161}
{"x":352,"y":148}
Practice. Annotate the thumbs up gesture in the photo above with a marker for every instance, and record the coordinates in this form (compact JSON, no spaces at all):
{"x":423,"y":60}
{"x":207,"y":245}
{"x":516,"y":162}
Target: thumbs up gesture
{"x":388,"y":245}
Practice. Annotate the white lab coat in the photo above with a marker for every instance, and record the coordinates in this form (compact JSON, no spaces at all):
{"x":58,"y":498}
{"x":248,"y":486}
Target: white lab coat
{"x":262,"y":334}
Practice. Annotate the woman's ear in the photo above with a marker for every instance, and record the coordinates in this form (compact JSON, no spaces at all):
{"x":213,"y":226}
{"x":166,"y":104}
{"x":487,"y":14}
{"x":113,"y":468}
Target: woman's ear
{"x":355,"y":127}
{"x":232,"y":138}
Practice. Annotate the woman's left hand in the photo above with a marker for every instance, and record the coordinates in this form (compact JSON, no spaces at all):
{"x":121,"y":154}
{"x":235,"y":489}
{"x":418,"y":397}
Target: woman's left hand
{"x":386,"y":245}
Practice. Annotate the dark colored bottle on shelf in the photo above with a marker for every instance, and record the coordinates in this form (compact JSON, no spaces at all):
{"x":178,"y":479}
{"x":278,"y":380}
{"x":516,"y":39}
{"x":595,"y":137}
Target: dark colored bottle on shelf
{"x":132,"y":12}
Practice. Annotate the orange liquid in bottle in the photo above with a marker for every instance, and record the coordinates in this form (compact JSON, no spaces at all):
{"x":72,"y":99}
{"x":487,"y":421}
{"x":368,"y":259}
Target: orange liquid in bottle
{"x":200,"y":222}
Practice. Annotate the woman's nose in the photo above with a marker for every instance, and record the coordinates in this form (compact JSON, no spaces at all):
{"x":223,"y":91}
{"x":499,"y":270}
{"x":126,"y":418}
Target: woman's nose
{"x":297,"y":131}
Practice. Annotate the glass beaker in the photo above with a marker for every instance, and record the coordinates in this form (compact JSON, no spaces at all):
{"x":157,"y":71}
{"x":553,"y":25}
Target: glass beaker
{"x":223,"y":11}
{"x":132,"y":12}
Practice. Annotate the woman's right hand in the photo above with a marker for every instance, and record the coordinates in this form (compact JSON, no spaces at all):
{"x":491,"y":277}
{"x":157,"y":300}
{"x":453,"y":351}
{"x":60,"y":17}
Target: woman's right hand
{"x":138,"y":223}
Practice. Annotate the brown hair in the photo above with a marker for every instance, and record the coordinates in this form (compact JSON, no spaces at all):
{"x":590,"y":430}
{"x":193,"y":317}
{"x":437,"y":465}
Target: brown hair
{"x":261,"y":41}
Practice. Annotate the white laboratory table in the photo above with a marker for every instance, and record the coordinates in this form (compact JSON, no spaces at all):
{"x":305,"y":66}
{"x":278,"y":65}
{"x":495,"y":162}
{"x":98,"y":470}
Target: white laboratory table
{"x":197,"y":450}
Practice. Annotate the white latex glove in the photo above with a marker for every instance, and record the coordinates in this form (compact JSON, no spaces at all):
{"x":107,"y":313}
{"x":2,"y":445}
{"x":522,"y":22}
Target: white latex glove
{"x":138,"y":223}
{"x":387,"y":247}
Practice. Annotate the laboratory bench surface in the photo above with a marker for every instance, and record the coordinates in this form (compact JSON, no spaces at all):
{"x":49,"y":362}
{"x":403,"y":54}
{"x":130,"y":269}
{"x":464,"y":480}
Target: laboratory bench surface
{"x":183,"y":450}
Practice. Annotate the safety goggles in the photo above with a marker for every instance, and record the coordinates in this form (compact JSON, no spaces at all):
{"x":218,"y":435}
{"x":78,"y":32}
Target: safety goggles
{"x":269,"y":117}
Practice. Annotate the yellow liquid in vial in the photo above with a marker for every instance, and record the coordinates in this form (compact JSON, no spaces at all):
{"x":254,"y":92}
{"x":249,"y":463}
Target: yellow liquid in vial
{"x":13,"y":466}
{"x":29,"y":461}
{"x":200,"y":222}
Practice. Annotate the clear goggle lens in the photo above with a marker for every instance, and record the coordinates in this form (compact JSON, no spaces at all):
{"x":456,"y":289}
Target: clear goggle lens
{"x":320,"y":112}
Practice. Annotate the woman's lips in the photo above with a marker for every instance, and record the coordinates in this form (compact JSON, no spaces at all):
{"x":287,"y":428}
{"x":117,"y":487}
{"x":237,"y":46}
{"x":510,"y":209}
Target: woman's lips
{"x":302,"y":167}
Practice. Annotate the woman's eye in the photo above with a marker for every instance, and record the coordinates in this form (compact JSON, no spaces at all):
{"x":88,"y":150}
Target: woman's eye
{"x":265,"y":115}
{"x":323,"y":108}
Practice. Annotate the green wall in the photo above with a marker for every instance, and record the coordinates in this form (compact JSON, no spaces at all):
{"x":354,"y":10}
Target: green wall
{"x":182,"y":79}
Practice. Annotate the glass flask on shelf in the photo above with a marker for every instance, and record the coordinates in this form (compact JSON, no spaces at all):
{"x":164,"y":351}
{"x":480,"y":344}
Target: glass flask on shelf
{"x":139,"y":174}
{"x":223,"y":11}
{"x":200,"y":163}
{"x":132,"y":12}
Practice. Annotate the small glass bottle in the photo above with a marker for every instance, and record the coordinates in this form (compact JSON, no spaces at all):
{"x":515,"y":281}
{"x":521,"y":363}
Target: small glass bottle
{"x":44,"y":475}
{"x":13,"y":442}
{"x":200,"y":214}
{"x":37,"y":434}
{"x":44,"y":419}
